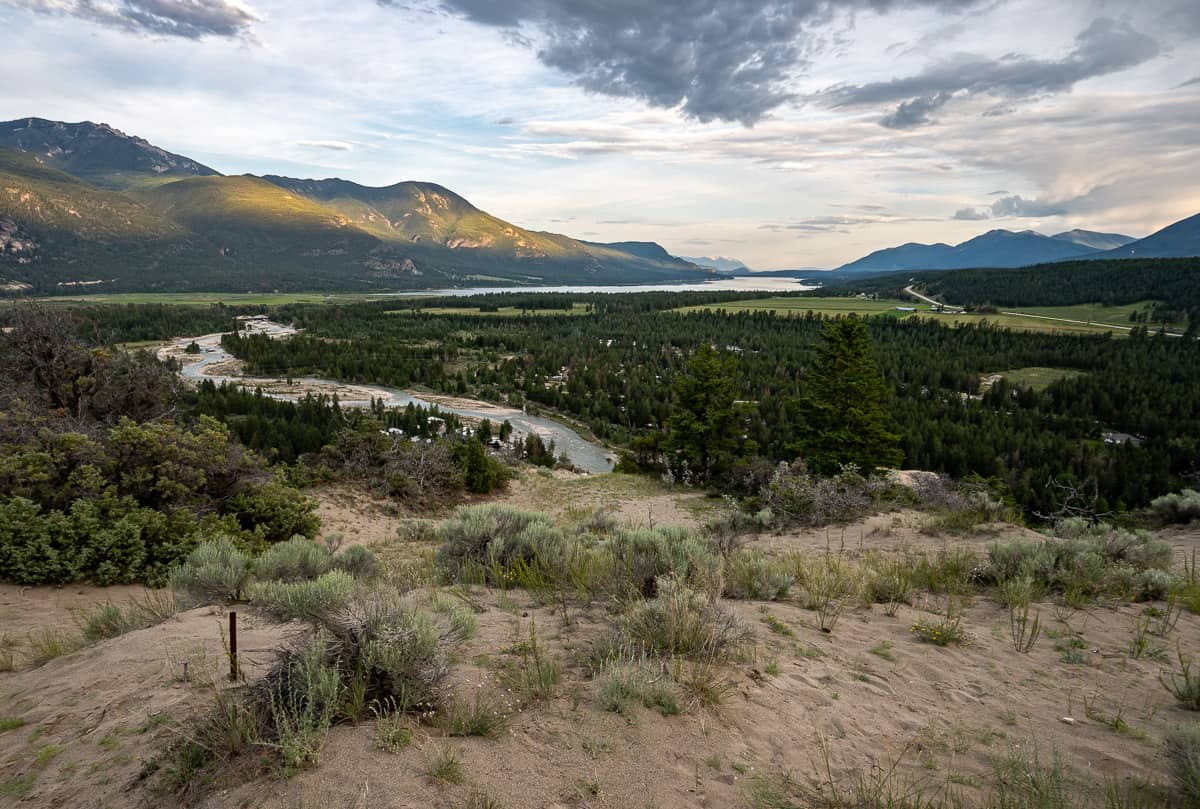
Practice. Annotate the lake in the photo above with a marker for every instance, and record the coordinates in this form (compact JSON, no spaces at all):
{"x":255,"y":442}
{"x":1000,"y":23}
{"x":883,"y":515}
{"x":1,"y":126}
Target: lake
{"x":715,"y":285}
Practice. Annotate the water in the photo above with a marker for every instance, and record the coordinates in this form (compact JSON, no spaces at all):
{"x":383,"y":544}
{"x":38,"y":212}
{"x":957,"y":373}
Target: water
{"x":582,"y":453}
{"x":715,"y":285}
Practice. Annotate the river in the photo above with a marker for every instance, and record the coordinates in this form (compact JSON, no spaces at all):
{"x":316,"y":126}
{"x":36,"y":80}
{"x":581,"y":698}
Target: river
{"x":216,"y":364}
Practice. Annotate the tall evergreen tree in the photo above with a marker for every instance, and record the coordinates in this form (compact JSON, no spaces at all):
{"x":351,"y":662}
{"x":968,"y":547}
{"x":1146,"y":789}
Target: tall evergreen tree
{"x":701,"y":435}
{"x":841,"y":409}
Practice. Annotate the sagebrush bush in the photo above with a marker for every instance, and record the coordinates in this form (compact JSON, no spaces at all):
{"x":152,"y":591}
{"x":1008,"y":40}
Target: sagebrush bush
{"x":215,"y":572}
{"x":359,"y":561}
{"x":398,"y":649}
{"x":643,"y":556}
{"x":795,"y":496}
{"x":313,"y":600}
{"x":1085,"y":560}
{"x":682,"y":621}
{"x":466,"y":537}
{"x":1177,"y":507}
{"x":304,"y":699}
{"x":298,"y":559}
{"x":1183,"y":751}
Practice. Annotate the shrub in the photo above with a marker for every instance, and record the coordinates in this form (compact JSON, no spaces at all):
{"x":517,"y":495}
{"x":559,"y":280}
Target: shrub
{"x":304,"y":701}
{"x":312,"y":600}
{"x":467,"y":536}
{"x":359,"y":561}
{"x":889,"y":581}
{"x":106,"y":621}
{"x":1177,"y":507}
{"x":623,"y":684}
{"x":275,"y":512}
{"x":399,"y":650}
{"x":298,"y":559}
{"x":683,"y":621}
{"x":796,"y":497}
{"x":827,"y":584}
{"x":1154,"y":584}
{"x":1184,"y":684}
{"x":215,"y":572}
{"x":1084,"y":561}
{"x":643,"y":556}
{"x":1183,"y":750}
{"x":479,"y":717}
{"x":750,"y":574}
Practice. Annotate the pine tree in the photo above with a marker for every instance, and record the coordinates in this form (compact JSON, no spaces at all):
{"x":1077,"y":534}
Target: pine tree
{"x":841,"y":410}
{"x":700,"y":431}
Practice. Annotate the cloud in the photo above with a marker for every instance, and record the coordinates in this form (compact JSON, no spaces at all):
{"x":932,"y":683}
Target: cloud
{"x":1018,"y":206}
{"x":190,"y":19}
{"x":998,"y":193}
{"x":971,"y":214}
{"x":332,"y":145}
{"x":730,"y":61}
{"x":915,"y":111}
{"x":1106,"y":46}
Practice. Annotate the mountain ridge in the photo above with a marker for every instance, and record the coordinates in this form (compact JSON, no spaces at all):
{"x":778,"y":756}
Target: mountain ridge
{"x":87,"y":199}
{"x":994,"y":248}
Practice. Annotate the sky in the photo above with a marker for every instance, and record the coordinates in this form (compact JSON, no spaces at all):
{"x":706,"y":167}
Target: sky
{"x":788,"y":134}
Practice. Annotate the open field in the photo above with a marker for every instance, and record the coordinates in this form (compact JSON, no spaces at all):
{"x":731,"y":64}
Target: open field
{"x":822,"y":306}
{"x":1038,"y":378}
{"x":862,"y":306}
{"x":1034,"y":324}
{"x":502,"y":311}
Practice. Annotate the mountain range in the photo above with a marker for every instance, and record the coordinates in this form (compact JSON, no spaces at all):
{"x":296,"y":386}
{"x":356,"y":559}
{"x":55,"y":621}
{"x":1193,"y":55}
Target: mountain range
{"x":718,"y":263}
{"x":1006,"y":248}
{"x":87,"y":205}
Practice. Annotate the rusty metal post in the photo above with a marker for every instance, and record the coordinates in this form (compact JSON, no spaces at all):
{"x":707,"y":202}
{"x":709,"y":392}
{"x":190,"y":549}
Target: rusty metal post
{"x":233,"y":659}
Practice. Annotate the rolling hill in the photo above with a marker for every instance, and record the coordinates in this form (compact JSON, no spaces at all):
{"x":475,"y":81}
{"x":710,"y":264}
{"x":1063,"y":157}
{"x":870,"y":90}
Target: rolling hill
{"x":87,"y":204}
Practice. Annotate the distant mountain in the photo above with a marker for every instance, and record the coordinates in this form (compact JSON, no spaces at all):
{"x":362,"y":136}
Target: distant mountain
{"x":996,"y":248}
{"x":719,"y":263}
{"x":1179,"y":240}
{"x":96,"y":152}
{"x":81,"y":203}
{"x":1096,"y":241}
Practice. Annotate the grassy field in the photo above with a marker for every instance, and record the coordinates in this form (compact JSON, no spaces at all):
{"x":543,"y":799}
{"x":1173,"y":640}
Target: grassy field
{"x":823,"y":306}
{"x":503,"y":311}
{"x":1019,"y":323}
{"x":1037,"y":377}
{"x":862,"y":306}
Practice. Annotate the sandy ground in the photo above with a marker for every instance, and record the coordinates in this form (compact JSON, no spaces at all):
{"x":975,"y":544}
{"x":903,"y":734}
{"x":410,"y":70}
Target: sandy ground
{"x":360,"y":518}
{"x":631,"y":499}
{"x":870,"y":690}
{"x":944,"y":713}
{"x":92,"y":718}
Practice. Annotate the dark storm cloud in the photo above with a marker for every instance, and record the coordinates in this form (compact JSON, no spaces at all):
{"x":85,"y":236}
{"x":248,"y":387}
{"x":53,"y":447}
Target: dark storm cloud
{"x":729,"y":60}
{"x":191,"y":19}
{"x":1106,"y":46}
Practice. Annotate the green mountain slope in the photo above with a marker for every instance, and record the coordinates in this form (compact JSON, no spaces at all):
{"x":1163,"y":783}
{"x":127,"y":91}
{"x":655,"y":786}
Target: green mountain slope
{"x":84,"y":203}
